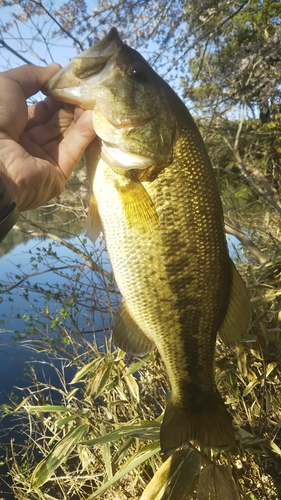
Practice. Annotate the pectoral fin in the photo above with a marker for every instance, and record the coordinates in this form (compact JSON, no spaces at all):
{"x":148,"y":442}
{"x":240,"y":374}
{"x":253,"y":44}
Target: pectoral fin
{"x":94,"y":225}
{"x":238,"y":314}
{"x":92,"y":156}
{"x":129,"y":336}
{"x":138,"y":207}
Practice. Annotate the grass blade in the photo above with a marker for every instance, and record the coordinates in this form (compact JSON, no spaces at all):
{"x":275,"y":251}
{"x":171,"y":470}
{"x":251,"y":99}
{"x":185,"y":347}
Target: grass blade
{"x":144,"y":454}
{"x":47,"y":466}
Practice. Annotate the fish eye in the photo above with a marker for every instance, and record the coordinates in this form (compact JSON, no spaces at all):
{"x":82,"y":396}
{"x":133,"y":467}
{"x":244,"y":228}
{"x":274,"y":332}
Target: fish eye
{"x":138,"y":71}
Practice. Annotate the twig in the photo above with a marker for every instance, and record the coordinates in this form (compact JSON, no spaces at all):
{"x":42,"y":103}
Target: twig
{"x":88,"y":260}
{"x":249,"y":178}
{"x":4,"y":44}
{"x":247,"y":242}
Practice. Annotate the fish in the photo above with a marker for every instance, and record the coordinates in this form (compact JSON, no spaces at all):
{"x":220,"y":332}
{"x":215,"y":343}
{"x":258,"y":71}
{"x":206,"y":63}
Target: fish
{"x":155,"y":198}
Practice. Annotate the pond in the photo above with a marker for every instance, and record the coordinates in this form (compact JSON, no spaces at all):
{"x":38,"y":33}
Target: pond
{"x":49,"y":291}
{"x":36,"y":277}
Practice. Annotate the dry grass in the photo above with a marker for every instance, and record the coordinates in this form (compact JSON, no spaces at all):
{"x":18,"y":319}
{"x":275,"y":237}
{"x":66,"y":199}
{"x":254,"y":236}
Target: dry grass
{"x":102,"y":440}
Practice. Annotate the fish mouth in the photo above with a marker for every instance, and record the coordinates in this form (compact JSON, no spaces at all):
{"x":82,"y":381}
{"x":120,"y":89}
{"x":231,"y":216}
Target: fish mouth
{"x":81,"y":82}
{"x":121,"y":122}
{"x":76,"y":82}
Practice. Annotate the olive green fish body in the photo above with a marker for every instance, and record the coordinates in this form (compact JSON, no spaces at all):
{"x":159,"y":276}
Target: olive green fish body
{"x":156,"y":200}
{"x":174,"y":272}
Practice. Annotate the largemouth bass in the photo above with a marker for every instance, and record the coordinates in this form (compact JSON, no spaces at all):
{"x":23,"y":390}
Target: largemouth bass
{"x":156,"y":200}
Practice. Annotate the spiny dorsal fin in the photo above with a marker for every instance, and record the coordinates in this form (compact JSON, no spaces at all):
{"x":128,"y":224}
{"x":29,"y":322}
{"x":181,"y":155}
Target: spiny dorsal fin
{"x":129,"y":336}
{"x":238,"y":314}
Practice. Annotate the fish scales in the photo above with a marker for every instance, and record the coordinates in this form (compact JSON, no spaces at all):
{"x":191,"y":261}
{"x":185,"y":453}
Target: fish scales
{"x":157,"y":202}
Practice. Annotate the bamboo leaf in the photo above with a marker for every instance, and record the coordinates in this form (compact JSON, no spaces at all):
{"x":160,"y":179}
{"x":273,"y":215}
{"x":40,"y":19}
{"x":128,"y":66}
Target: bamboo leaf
{"x":137,"y":365}
{"x":47,"y":466}
{"x":175,"y":478}
{"x":270,"y":367}
{"x":145,"y":430}
{"x":85,"y":369}
{"x":106,"y":454}
{"x":132,"y":385}
{"x":48,"y":408}
{"x":250,"y":386}
{"x":144,"y":454}
{"x":105,"y":378}
{"x":216,"y":483}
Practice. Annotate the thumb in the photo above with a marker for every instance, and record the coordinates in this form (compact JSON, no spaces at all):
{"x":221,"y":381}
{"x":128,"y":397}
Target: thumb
{"x":31,"y":78}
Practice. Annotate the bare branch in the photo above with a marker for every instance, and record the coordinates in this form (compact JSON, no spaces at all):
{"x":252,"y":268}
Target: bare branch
{"x":249,"y":178}
{"x":247,"y":242}
{"x":4,"y":44}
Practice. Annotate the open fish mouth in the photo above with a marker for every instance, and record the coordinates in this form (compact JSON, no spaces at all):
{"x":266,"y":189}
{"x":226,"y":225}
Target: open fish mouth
{"x":75,"y":83}
{"x":82,"y":81}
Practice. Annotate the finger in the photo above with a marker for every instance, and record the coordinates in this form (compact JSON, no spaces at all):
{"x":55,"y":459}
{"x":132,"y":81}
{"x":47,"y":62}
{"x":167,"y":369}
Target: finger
{"x":40,"y":112}
{"x":54,"y":128}
{"x":69,"y":151}
{"x":31,"y":78}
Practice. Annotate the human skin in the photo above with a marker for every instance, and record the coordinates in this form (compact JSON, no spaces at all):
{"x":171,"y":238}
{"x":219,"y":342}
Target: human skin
{"x":41,"y":144}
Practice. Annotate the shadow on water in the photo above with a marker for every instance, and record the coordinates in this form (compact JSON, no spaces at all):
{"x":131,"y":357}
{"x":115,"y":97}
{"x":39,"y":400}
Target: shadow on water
{"x":47,"y":288}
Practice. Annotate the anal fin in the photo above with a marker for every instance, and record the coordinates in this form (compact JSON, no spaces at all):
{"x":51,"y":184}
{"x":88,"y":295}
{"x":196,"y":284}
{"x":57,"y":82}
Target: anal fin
{"x":129,"y":336}
{"x":238,"y":314}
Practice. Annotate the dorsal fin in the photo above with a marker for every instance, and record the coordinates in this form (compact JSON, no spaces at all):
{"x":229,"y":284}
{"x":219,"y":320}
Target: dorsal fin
{"x":238,"y":314}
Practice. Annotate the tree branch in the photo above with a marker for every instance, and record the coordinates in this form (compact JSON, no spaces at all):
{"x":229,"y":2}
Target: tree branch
{"x":89,"y":261}
{"x":249,"y":178}
{"x":4,"y":44}
{"x":247,"y":242}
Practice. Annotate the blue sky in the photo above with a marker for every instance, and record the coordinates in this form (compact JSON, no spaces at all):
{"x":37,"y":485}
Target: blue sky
{"x":24,"y":38}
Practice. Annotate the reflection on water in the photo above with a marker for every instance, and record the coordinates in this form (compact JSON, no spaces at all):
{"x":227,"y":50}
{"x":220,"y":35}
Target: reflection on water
{"x":52,"y":218}
{"x":40,"y":281}
{"x":46,"y":288}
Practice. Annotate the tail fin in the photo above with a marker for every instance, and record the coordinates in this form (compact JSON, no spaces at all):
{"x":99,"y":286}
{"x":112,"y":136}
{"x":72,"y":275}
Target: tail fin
{"x":211,"y":428}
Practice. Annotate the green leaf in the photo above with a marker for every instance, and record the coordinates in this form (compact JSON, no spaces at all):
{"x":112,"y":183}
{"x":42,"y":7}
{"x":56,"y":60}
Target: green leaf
{"x":144,"y":454}
{"x":62,"y":450}
{"x":137,"y":365}
{"x":48,"y":408}
{"x":175,"y":479}
{"x":144,"y":430}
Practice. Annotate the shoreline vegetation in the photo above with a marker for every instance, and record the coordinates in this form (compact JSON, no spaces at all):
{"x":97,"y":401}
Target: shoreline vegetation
{"x":96,"y":434}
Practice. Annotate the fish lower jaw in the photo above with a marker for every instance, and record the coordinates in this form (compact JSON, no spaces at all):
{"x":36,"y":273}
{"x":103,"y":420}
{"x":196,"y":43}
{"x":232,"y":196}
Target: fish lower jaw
{"x":117,"y":158}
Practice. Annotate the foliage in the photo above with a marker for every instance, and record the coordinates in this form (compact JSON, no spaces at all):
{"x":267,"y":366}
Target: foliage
{"x":237,"y":59}
{"x":97,"y":434}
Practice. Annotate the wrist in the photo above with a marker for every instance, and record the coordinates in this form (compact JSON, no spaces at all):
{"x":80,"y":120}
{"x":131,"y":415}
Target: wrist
{"x":9,"y":212}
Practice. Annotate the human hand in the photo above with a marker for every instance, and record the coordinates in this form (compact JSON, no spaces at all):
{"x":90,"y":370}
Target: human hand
{"x":40,"y":145}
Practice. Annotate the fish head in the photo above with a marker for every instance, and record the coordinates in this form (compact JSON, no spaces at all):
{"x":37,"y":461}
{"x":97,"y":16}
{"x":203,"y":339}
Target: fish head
{"x":132,"y":114}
